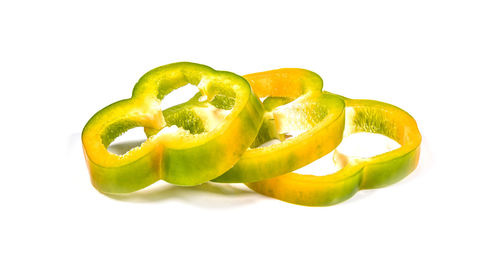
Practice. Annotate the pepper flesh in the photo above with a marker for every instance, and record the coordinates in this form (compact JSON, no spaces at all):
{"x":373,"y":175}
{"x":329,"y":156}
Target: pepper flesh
{"x":358,"y":173}
{"x":188,"y":157}
{"x":294,"y":102}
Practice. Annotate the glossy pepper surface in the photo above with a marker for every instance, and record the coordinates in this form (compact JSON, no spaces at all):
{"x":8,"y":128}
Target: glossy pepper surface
{"x":203,"y":149}
{"x":357,"y":173}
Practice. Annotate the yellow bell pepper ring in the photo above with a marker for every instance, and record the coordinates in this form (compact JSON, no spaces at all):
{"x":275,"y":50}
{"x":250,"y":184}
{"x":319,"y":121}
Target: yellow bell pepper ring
{"x":295,"y":103}
{"x":357,"y":173}
{"x":201,"y":150}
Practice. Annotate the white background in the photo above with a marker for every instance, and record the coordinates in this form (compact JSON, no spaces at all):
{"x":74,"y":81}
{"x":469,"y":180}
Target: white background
{"x":60,"y":62}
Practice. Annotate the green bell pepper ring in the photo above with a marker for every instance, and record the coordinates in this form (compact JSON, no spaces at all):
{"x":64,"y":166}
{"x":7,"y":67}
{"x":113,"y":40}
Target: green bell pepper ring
{"x":295,"y":103}
{"x":195,"y":154}
{"x":358,"y":173}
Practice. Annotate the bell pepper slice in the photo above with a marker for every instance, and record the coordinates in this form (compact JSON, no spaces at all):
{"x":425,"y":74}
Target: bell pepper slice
{"x":294,"y":102}
{"x":197,"y":153}
{"x":357,"y":173}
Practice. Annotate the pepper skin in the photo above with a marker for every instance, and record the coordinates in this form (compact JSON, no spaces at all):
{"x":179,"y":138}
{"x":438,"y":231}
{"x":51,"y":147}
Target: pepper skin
{"x":294,"y":102}
{"x":358,"y":173}
{"x":191,"y":156}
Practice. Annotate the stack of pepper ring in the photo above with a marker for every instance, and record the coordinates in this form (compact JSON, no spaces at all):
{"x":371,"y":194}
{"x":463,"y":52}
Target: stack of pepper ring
{"x":223,"y":134}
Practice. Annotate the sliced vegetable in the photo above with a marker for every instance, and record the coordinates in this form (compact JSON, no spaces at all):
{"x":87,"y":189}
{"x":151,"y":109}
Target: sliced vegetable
{"x":201,"y":150}
{"x":358,"y":173}
{"x":295,"y":103}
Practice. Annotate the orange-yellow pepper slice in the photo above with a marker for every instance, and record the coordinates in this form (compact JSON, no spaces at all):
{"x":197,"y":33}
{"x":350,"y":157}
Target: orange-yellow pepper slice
{"x":295,"y":104}
{"x":357,"y":173}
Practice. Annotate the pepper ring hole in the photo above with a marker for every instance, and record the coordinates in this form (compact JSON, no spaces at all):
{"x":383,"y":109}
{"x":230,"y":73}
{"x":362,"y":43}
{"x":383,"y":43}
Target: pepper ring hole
{"x":130,"y":139}
{"x":178,"y":96}
{"x":357,"y":145}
